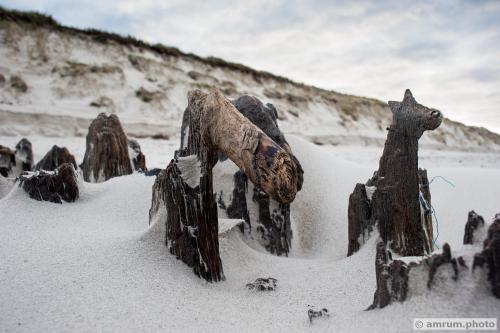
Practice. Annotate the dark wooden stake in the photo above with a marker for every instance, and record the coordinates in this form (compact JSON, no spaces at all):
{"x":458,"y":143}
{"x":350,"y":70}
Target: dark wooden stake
{"x":395,"y":200}
{"x":106,"y":155}
{"x":474,"y":222}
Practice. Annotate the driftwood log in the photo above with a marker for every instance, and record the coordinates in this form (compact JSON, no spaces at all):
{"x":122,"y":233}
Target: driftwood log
{"x":186,"y":188}
{"x":54,"y":186}
{"x":137,"y":158}
{"x":24,"y":155}
{"x":273,"y":227}
{"x":55,"y":157}
{"x":7,"y":160}
{"x":393,"y":198}
{"x":106,"y":154}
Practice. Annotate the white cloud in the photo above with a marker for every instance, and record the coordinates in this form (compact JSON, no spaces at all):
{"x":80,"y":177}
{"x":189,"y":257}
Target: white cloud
{"x":446,"y":51}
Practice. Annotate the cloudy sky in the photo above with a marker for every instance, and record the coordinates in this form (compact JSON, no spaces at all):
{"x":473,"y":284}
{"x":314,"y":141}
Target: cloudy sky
{"x":446,"y":52}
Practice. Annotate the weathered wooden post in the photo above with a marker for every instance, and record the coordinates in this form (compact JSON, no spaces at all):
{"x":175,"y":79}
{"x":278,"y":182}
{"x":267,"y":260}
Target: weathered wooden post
{"x":24,"y":155}
{"x":192,"y":225}
{"x":106,"y":154}
{"x":7,"y":160}
{"x":475,"y":223}
{"x":394,"y":195}
{"x":55,"y":157}
{"x":137,"y":158}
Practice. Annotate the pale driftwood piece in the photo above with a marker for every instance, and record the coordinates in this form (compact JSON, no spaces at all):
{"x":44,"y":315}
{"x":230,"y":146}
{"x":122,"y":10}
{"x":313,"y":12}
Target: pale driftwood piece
{"x":267,"y":165}
{"x":7,"y":160}
{"x":55,"y":157}
{"x":106,"y":155}
{"x":474,"y":223}
{"x":265,"y":117}
{"x":273,"y":224}
{"x":191,"y":223}
{"x":491,"y":256}
{"x":395,"y":204}
{"x":54,"y":186}
{"x":24,"y":153}
{"x":137,"y":158}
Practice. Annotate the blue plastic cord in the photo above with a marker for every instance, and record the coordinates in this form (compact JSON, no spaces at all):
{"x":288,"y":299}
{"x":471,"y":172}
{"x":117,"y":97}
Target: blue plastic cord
{"x":426,"y":207}
{"x":441,"y":177}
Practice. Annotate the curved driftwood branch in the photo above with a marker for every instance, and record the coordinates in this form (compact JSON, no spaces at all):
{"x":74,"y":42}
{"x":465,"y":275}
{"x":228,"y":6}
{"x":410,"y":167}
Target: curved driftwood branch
{"x":270,"y":225}
{"x":266,"y":164}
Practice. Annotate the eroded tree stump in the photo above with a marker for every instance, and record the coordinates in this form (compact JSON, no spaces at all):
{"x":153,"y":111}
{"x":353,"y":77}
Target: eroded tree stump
{"x":24,"y":155}
{"x":395,"y":204}
{"x":106,"y":154}
{"x":137,"y":158}
{"x":491,"y":256}
{"x":475,"y":223}
{"x":7,"y":160}
{"x":191,"y":223}
{"x":393,"y":282}
{"x":55,"y":157}
{"x":393,"y":276}
{"x":54,"y":186}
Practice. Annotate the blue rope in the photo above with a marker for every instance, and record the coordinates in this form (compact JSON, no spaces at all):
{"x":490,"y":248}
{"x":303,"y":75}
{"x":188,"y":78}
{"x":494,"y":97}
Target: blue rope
{"x":425,"y":206}
{"x":441,"y":177}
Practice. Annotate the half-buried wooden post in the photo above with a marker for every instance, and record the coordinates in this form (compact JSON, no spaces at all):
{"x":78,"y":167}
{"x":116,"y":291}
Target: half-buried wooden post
{"x":106,"y":155}
{"x":397,"y":197}
{"x":216,"y":125}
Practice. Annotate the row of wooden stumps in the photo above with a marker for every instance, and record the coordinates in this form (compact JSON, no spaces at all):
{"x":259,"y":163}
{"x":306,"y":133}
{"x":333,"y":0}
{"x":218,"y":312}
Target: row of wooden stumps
{"x":109,"y":153}
{"x":185,"y":188}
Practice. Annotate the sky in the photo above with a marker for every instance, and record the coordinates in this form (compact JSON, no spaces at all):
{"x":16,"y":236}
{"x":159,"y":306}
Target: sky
{"x":446,"y":52}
